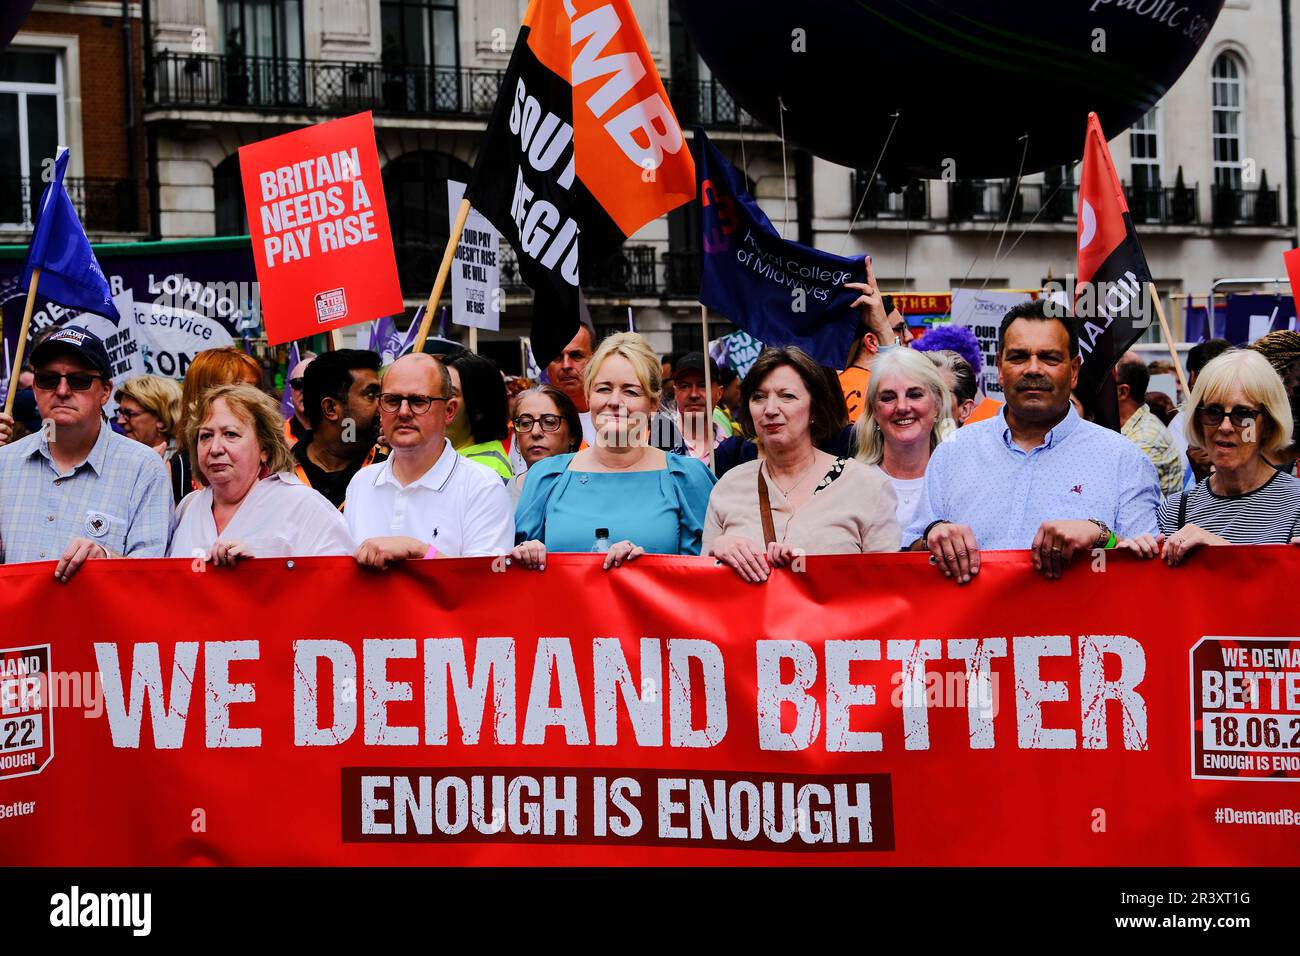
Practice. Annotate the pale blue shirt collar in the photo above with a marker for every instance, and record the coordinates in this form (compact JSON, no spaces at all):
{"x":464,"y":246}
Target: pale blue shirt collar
{"x":95,"y":459}
{"x":1058,"y":433}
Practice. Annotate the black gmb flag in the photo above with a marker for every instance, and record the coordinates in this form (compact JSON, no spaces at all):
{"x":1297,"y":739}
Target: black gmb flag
{"x":582,"y":150}
{"x":1112,"y":303}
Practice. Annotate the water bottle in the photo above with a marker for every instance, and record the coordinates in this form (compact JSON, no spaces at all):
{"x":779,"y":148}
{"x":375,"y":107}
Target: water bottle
{"x":602,"y":541}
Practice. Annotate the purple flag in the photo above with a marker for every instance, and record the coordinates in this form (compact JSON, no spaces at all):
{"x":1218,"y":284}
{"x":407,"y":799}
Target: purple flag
{"x":286,"y":398}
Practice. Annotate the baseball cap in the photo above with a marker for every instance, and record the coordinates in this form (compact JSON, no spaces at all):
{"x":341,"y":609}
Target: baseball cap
{"x":74,"y":338}
{"x":694,"y":362}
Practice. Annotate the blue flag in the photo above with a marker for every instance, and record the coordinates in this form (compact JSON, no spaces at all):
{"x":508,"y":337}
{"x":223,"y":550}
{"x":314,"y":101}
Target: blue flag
{"x":780,"y":292}
{"x":70,"y":275}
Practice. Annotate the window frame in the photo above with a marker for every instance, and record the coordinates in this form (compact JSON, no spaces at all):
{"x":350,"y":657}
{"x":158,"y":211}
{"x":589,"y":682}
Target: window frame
{"x":1232,"y":171}
{"x":22,"y":90}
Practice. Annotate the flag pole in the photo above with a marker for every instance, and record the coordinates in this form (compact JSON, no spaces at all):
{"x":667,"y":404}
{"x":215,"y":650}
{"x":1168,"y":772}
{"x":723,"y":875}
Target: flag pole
{"x":708,"y":387}
{"x":444,"y":270}
{"x":1169,"y":341}
{"x":22,"y":339}
{"x":523,"y":358}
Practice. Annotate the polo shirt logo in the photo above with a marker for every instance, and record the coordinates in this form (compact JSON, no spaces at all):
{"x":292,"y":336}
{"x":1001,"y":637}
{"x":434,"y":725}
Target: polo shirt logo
{"x":1077,"y":490}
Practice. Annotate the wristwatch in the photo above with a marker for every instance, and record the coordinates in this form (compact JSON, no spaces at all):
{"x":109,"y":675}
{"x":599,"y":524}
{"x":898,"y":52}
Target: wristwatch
{"x":1105,"y":537}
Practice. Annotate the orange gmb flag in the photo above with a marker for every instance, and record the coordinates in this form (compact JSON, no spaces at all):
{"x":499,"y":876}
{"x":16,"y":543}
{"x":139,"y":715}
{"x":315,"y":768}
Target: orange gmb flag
{"x":583,"y":150}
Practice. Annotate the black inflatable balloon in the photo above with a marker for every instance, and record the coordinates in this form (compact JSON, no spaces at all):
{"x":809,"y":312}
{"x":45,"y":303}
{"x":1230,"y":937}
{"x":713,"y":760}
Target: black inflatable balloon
{"x":969,"y":78}
{"x":12,"y":15}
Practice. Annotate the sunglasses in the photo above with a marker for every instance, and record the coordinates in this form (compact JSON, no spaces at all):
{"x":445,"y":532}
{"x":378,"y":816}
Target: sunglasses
{"x":549,"y":423}
{"x":77,"y":381}
{"x":296,"y":383}
{"x":419,"y":404}
{"x":1213,"y":415}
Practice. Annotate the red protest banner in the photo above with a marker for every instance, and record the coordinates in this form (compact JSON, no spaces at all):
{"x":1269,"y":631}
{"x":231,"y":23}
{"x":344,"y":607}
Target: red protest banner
{"x":307,"y":712}
{"x":319,"y":228}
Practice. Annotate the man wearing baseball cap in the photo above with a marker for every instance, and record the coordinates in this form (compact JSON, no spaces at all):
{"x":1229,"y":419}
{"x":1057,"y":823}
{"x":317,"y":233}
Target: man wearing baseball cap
{"x":699,"y":436}
{"x":76,"y":490}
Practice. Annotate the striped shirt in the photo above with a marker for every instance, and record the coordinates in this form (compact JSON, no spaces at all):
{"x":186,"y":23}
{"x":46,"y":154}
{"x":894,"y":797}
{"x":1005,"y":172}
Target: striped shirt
{"x":1268,"y":515}
{"x":119,"y":497}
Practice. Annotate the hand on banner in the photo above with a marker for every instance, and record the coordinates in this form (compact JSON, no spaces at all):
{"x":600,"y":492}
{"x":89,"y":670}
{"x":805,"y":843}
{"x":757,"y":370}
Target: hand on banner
{"x":531,"y":554}
{"x":79,"y":551}
{"x":622,"y":552}
{"x":225,"y":554}
{"x":779,"y":553}
{"x":1056,"y":542}
{"x":871,"y":303}
{"x":381,"y":552}
{"x":743,"y":556}
{"x":1185,"y":540}
{"x":954,"y":550}
{"x":6,"y":428}
{"x":1145,"y":546}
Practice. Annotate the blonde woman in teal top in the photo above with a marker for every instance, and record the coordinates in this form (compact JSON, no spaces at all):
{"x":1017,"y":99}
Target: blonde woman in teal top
{"x":644,"y":499}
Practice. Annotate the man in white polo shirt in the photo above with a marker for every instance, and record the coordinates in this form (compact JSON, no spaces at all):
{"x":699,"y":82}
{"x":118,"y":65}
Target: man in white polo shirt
{"x":424,"y":500}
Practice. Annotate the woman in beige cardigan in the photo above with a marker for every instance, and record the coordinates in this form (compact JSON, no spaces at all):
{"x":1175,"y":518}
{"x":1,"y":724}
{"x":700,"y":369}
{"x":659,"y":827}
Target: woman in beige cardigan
{"x":815,"y":503}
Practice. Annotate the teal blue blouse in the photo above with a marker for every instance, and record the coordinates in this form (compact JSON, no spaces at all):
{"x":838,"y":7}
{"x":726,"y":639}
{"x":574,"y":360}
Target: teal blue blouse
{"x":662,"y":511}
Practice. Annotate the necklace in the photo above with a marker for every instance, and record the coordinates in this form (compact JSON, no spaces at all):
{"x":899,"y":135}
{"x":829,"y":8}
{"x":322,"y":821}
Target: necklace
{"x":797,"y":482}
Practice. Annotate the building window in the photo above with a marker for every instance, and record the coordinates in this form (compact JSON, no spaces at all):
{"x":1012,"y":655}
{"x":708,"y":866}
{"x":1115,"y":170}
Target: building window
{"x":228,"y":196}
{"x":262,"y":44}
{"x":415,"y":186}
{"x":31,"y":128}
{"x":1227,"y":120}
{"x":1144,"y":149}
{"x":421,"y":55}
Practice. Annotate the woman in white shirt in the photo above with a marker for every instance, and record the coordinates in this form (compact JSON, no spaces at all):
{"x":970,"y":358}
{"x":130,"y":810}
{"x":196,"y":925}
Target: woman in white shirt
{"x":910,"y":413}
{"x":251,"y":503}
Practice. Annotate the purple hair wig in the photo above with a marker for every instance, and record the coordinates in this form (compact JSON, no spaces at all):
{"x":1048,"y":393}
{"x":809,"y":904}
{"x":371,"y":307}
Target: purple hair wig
{"x":958,"y":338}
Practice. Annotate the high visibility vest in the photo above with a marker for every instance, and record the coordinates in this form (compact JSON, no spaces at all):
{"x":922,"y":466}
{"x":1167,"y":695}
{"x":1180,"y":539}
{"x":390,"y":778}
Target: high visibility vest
{"x":492,"y":454}
{"x":370,"y":460}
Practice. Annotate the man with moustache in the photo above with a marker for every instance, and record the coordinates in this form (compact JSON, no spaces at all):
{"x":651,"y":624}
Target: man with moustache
{"x":425,"y":500}
{"x":1037,"y":476}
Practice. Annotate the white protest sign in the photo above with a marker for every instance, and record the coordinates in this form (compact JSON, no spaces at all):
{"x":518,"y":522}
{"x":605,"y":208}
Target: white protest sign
{"x":476,"y":269}
{"x":124,"y":358}
{"x":982,"y":313}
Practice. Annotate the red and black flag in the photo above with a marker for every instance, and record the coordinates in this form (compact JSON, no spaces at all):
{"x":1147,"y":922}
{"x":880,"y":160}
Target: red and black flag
{"x":1112,"y":303}
{"x":583,"y":149}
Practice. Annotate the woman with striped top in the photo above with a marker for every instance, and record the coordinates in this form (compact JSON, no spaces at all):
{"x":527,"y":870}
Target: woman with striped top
{"x":1240,"y":418}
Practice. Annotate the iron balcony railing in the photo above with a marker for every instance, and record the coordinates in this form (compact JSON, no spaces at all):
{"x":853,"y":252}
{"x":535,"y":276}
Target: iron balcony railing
{"x":984,"y":200}
{"x":236,"y":81}
{"x":885,"y":201}
{"x":1236,"y":206}
{"x":239,"y":81}
{"x":103,"y":204}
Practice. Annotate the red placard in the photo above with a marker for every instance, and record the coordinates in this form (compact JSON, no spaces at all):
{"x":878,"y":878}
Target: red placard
{"x":860,"y":711}
{"x":319,"y":227}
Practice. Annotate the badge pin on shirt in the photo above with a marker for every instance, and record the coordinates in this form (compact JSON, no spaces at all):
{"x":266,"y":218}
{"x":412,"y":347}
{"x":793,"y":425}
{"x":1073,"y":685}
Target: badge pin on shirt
{"x":96,"y":524}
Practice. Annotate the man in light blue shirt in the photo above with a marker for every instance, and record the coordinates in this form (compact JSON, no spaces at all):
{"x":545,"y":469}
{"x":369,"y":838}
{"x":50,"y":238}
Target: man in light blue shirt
{"x":76,"y":490}
{"x":1037,"y":476}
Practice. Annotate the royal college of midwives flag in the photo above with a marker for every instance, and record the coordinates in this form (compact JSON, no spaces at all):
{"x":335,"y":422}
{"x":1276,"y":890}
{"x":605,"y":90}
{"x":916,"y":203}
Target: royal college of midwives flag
{"x":781,"y":293}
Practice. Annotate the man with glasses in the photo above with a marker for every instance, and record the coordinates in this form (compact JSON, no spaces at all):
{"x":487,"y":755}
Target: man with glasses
{"x":881,"y":327}
{"x":298,"y":427}
{"x":75,"y":490}
{"x":425,"y":500}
